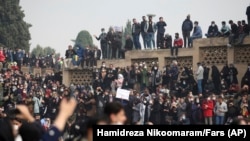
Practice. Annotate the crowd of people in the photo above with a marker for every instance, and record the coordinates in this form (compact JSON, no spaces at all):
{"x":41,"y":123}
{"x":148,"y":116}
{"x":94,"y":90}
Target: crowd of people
{"x":41,"y":107}
{"x":111,"y":46}
{"x":158,"y":96}
{"x":148,"y":30}
{"x":17,"y":58}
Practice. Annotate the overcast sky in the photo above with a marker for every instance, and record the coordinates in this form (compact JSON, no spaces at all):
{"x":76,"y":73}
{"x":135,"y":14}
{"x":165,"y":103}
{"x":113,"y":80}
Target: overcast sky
{"x":56,"y":22}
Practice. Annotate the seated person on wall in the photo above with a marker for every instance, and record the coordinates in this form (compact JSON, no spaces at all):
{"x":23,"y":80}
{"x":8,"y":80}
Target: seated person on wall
{"x":243,"y":31}
{"x":68,"y":56}
{"x":97,"y":55}
{"x":168,"y":41}
{"x":128,"y":46}
{"x":88,"y":54}
{"x":246,"y":28}
{"x":77,"y":59}
{"x":197,"y":33}
{"x":178,"y":43}
{"x":225,"y":30}
{"x":234,"y":35}
{"x":212,"y":30}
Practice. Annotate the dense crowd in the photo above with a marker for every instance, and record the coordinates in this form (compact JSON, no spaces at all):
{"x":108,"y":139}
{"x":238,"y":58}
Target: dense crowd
{"x":168,"y":96}
{"x":41,"y":107}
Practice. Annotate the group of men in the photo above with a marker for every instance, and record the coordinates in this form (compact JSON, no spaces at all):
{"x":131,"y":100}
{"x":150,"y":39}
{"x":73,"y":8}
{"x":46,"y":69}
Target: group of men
{"x":111,"y":43}
{"x":79,"y":57}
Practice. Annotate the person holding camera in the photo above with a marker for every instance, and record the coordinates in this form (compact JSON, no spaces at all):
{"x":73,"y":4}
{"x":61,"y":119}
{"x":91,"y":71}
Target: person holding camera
{"x":100,"y":101}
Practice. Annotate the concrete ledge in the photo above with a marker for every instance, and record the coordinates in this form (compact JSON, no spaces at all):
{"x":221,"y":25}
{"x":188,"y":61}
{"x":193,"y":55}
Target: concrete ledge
{"x":163,"y":55}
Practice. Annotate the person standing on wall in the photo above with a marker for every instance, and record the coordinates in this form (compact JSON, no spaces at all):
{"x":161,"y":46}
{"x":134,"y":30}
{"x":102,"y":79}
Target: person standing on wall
{"x":136,"y":30}
{"x":103,"y":41}
{"x":150,"y":28}
{"x":160,"y":25}
{"x":143,"y":33}
{"x":187,"y":27}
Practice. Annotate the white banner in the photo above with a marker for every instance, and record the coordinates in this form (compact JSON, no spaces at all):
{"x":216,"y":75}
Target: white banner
{"x":122,"y":94}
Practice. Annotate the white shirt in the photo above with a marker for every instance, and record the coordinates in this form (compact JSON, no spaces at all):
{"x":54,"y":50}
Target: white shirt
{"x":199,"y":73}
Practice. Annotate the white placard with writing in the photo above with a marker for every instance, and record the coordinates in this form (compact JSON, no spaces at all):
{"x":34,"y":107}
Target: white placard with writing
{"x":122,"y":94}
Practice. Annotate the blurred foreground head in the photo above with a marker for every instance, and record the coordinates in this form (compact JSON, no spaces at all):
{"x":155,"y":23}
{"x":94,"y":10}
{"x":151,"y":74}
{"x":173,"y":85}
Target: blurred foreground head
{"x":115,"y":113}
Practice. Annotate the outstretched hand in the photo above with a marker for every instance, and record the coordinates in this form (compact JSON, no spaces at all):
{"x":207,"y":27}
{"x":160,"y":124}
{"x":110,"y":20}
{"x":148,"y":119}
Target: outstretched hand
{"x":24,"y":113}
{"x":68,"y":106}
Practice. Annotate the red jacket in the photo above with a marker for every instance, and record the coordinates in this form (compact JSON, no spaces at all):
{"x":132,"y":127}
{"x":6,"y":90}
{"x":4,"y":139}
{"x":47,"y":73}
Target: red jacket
{"x":14,"y":67}
{"x":208,"y":111}
{"x":2,"y":57}
{"x":178,"y":42}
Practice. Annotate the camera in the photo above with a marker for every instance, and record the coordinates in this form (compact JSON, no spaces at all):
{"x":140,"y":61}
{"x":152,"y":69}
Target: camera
{"x":99,"y":89}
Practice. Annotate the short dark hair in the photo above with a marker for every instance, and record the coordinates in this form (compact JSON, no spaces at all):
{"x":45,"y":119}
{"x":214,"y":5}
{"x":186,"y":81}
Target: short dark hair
{"x":30,"y":132}
{"x":220,"y":97}
{"x":6,"y":130}
{"x":113,"y":108}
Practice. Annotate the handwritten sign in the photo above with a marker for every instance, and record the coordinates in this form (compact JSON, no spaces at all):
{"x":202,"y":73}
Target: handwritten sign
{"x":122,"y":94}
